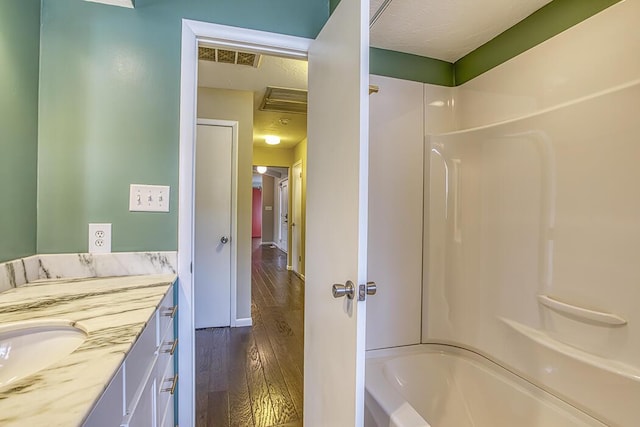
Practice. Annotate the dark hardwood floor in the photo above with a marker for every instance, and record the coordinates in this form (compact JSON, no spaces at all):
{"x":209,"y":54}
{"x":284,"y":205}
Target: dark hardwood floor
{"x":252,"y":376}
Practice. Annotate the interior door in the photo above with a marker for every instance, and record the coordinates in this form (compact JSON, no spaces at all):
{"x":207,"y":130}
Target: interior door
{"x":336,"y":235}
{"x":284,"y":215}
{"x":213,"y":193}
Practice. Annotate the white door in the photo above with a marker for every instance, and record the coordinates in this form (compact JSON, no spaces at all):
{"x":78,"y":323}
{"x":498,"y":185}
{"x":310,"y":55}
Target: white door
{"x":283,"y":235}
{"x":336,"y":235}
{"x":213,"y":220}
{"x":296,"y":218}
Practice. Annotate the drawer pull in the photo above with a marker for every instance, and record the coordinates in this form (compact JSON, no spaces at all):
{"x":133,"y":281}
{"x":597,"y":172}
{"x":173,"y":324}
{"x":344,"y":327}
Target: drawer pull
{"x":174,"y":384}
{"x":171,"y":312}
{"x":174,"y":345}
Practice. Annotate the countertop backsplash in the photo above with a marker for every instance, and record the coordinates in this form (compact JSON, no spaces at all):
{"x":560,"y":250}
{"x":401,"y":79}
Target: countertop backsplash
{"x":22,"y":271}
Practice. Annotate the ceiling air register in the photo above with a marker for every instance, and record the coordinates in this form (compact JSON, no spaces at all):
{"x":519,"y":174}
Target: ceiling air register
{"x":283,"y":100}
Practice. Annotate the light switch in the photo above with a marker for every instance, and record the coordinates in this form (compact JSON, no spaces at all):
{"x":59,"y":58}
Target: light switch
{"x":148,"y":198}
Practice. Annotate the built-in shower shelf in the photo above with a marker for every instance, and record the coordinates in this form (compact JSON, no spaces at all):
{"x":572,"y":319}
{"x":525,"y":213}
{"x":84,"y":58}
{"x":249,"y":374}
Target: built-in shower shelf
{"x":581,"y":312}
{"x":613,"y":366}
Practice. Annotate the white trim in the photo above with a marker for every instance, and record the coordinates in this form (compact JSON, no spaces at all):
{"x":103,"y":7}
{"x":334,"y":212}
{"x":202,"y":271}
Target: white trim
{"x":268,"y":243}
{"x":194,"y":32}
{"x":253,"y":40}
{"x":234,"y":210}
{"x":245,"y":321}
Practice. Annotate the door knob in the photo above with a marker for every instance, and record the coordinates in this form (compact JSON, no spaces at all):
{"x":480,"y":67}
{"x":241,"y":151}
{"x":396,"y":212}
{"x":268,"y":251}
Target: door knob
{"x":343,"y":290}
{"x":369,"y":289}
{"x":224,"y":240}
{"x":372,"y":288}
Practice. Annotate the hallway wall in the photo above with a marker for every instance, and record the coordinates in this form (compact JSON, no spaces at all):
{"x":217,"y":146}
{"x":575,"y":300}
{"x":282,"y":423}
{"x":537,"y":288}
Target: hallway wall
{"x":238,"y":106}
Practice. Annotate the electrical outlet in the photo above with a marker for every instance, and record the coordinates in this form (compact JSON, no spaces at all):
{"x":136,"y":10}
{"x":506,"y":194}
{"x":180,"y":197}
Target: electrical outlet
{"x":99,"y":238}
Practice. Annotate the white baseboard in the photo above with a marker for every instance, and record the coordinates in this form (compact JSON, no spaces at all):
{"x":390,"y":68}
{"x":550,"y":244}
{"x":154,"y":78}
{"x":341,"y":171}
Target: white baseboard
{"x":269,"y":243}
{"x":247,"y":321}
{"x":290,"y":268}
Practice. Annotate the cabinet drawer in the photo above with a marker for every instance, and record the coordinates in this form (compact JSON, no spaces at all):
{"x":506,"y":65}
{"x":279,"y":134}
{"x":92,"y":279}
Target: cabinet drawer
{"x":109,"y":410}
{"x":166,"y":386}
{"x":166,"y":349}
{"x":169,"y":415}
{"x":167,"y":311}
{"x":143,"y":414}
{"x":139,"y":360}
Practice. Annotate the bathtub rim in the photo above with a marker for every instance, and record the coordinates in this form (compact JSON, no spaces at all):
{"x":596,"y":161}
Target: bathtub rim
{"x":389,"y":399}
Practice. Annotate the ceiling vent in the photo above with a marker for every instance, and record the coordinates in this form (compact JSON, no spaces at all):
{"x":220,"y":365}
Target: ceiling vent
{"x":226,"y":56}
{"x":283,"y":100}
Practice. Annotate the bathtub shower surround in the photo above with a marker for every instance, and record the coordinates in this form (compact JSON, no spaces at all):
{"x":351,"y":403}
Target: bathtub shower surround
{"x":48,"y":266}
{"x":533,"y":236}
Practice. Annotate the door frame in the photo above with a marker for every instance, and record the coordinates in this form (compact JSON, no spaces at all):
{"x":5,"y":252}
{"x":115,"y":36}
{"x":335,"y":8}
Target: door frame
{"x":194,"y":32}
{"x":233,"y":241}
{"x":296,"y":234}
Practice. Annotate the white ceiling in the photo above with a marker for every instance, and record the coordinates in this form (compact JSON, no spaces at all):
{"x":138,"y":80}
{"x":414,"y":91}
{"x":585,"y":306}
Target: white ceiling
{"x":444,"y":29}
{"x":272,"y":71}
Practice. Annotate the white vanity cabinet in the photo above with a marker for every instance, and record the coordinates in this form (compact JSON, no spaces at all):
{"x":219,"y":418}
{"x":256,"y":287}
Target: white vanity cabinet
{"x":141,"y":394}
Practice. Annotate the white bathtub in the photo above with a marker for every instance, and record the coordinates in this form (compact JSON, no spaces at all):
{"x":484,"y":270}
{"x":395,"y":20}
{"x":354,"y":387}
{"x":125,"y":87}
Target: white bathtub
{"x":442,"y":386}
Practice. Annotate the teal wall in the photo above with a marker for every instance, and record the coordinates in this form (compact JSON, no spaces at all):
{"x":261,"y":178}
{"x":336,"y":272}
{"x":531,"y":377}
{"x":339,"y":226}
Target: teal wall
{"x":109,"y":109}
{"x":19,"y":53}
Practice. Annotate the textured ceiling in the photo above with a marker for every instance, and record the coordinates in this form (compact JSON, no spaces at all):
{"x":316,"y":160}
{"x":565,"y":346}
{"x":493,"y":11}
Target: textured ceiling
{"x":445,"y":29}
{"x":273,"y":71}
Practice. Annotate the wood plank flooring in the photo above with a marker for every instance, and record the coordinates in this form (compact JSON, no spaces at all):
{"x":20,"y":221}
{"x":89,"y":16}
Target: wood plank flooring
{"x":253,"y":376}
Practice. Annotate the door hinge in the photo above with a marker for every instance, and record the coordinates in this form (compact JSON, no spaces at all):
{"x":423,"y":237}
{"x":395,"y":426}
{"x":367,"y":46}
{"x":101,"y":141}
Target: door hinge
{"x":191,"y":267}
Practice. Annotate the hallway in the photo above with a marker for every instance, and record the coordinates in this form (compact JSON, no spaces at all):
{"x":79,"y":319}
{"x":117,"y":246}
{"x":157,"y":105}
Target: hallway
{"x":252,"y":376}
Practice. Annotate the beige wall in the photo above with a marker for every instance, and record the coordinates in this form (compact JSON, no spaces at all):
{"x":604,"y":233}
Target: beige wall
{"x":268,"y":156}
{"x":235,"y":105}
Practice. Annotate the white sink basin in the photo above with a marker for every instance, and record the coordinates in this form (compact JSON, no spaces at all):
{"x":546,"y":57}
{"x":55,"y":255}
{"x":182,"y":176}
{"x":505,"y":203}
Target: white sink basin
{"x":30,"y":346}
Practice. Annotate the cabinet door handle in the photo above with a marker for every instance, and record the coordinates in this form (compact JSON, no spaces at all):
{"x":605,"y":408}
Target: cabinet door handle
{"x":174,"y":345}
{"x":174,"y":384}
{"x":171,"y":312}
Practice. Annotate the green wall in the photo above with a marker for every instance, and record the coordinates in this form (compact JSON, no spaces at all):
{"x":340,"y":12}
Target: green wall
{"x":109,"y":109}
{"x":19,"y":54}
{"x":410,"y":67}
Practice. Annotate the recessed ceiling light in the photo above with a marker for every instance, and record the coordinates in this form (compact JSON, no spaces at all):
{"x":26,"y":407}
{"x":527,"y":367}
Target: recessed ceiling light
{"x":261,"y":169}
{"x":272,"y":140}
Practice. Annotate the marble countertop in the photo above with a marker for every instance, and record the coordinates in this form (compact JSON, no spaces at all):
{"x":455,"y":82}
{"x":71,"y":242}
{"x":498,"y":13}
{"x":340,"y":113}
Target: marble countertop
{"x":113,"y":311}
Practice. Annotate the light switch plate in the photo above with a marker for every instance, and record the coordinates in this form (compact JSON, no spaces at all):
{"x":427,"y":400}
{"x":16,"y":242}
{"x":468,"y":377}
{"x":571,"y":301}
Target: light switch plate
{"x":148,"y":198}
{"x":99,"y":238}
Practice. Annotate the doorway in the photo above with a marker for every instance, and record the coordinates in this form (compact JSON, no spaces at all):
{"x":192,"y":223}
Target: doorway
{"x":266,"y":226}
{"x":337,"y":51}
